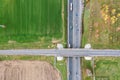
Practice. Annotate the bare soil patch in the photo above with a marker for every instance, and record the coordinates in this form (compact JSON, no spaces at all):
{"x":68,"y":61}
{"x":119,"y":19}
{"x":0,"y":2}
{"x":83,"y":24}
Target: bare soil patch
{"x":28,"y":70}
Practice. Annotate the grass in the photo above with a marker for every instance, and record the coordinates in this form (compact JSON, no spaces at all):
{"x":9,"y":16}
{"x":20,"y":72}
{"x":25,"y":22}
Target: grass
{"x":41,"y":58}
{"x":29,"y":21}
{"x":109,"y":66}
{"x":33,"y":24}
{"x":101,"y":35}
{"x":42,"y":43}
{"x":60,"y":65}
{"x":86,"y":65}
{"x":65,"y":22}
{"x":105,"y":68}
{"x":86,"y":27}
{"x":102,"y":32}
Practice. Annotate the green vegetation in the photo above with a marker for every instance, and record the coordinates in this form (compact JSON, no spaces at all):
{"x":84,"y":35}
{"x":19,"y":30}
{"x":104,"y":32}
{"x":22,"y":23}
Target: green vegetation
{"x":41,"y":58}
{"x":107,"y":68}
{"x":102,"y":31}
{"x":33,"y":24}
{"x":86,"y":65}
{"x":44,"y":42}
{"x":60,"y":65}
{"x":103,"y":68}
{"x":65,"y":22}
{"x":28,"y":21}
{"x":102,"y":24}
{"x":86,"y":26}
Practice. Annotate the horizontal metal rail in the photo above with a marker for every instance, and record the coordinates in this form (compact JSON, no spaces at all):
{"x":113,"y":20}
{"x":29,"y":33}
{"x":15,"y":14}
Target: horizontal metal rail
{"x":62,"y":52}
